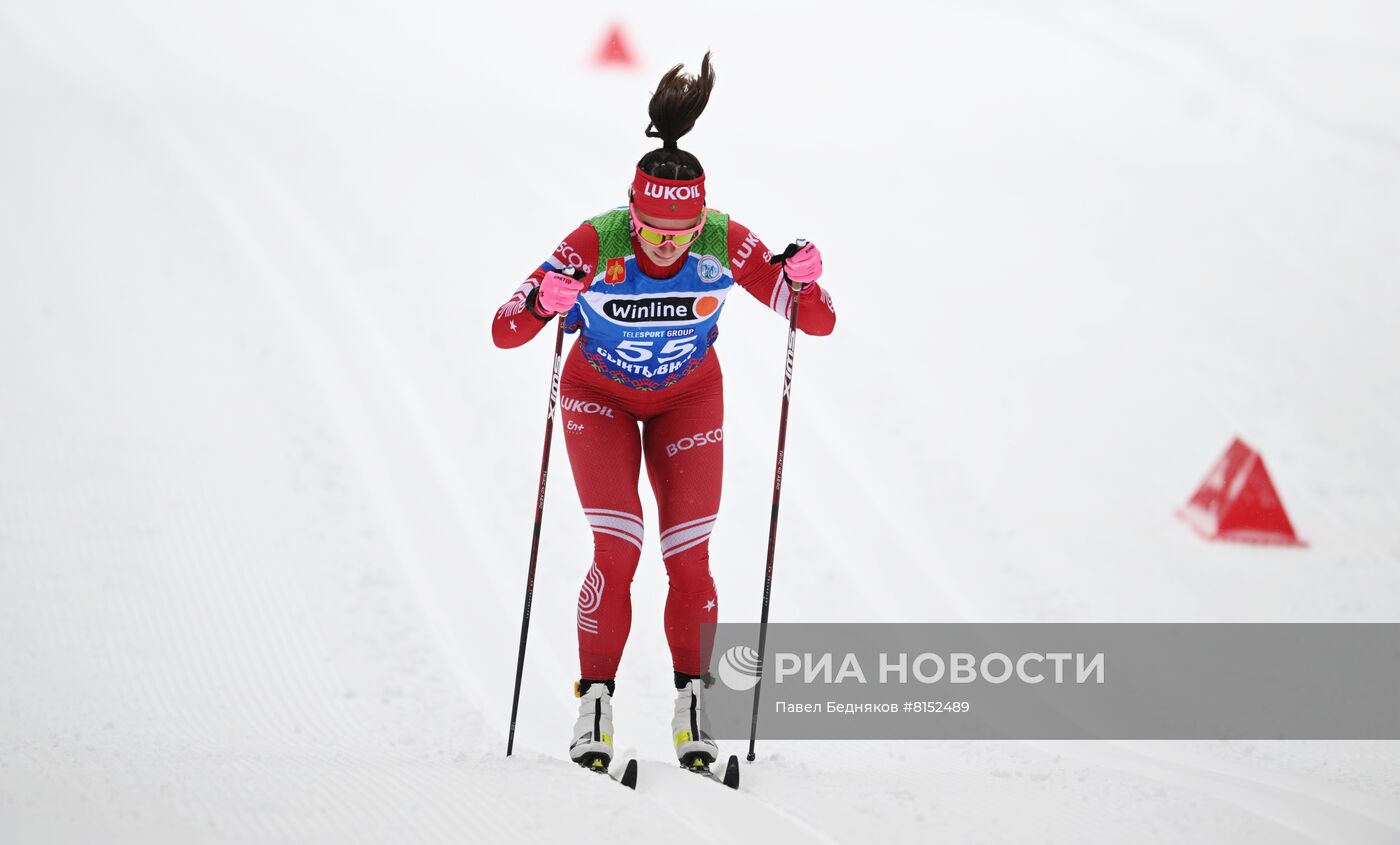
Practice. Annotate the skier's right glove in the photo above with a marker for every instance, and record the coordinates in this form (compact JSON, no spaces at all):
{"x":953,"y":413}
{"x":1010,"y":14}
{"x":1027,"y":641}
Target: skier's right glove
{"x":556,"y":294}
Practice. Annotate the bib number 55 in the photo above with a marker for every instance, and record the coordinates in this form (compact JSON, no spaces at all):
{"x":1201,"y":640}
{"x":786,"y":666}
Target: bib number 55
{"x":638,"y":351}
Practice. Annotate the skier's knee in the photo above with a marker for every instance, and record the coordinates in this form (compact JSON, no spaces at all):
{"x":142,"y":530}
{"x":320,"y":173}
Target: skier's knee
{"x":617,"y":541}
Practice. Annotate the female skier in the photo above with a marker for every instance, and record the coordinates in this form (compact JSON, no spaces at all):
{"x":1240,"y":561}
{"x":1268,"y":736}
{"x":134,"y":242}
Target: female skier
{"x":645,"y":284}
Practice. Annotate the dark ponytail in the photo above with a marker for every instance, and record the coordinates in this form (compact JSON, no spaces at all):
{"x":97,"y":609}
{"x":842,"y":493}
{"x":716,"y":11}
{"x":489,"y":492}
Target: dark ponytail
{"x":676,"y":104}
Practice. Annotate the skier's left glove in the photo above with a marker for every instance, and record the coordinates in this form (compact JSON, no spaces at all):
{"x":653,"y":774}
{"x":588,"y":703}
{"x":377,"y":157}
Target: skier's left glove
{"x":802,"y":266}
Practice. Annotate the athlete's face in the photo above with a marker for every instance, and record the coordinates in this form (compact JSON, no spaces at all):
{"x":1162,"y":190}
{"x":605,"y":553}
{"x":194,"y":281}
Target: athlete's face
{"x":665,"y":253}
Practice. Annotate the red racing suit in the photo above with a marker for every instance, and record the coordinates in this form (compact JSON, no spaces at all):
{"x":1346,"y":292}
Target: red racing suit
{"x":643,"y":383}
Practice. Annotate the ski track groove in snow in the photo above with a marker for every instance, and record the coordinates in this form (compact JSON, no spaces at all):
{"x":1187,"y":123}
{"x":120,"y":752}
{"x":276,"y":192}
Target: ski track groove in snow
{"x":300,"y":325}
{"x":1302,"y":810}
{"x":435,"y":466}
{"x":345,"y":398}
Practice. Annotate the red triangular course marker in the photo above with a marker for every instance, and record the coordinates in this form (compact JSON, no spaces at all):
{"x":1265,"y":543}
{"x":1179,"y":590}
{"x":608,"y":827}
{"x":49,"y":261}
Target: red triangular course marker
{"x":1237,"y":501}
{"x":615,"y":50}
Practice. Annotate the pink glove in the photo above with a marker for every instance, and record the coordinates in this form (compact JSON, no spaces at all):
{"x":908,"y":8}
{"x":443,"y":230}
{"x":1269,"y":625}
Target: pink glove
{"x":804,"y":267}
{"x":557,"y":293}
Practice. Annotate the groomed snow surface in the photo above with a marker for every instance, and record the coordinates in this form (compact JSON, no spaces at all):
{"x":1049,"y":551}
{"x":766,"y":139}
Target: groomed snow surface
{"x":266,"y":486}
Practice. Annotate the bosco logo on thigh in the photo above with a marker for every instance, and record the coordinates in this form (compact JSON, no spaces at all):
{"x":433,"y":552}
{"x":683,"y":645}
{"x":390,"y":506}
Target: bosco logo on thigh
{"x":703,"y":438}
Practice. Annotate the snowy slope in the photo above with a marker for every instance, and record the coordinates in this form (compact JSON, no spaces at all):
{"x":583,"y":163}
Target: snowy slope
{"x":267,"y":485}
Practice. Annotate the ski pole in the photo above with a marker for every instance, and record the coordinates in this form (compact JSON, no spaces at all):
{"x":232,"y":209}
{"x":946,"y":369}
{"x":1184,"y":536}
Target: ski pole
{"x":777,"y":492}
{"x":535,"y":540}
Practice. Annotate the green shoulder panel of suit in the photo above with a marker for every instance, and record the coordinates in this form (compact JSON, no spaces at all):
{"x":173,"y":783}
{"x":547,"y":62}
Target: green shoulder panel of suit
{"x":615,"y":236}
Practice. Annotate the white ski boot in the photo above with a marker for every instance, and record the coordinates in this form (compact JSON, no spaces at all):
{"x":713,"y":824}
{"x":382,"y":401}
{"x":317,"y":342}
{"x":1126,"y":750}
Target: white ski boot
{"x":690,"y":728}
{"x":592,"y":745}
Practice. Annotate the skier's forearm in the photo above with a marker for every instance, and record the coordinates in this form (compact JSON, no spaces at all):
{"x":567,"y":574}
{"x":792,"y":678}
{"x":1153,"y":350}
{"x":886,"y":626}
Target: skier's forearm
{"x":815,"y":313}
{"x":516,"y":322}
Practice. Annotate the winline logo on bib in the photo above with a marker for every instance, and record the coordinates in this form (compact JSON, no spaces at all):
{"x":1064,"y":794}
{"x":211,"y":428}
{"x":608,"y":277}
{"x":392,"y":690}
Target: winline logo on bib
{"x":669,"y":309}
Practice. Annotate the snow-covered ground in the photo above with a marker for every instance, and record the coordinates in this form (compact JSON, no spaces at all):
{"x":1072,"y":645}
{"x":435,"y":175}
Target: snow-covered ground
{"x":266,"y":486}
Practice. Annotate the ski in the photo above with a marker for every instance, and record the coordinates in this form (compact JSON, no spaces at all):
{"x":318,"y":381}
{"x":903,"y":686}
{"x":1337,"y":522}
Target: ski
{"x":628,"y":778}
{"x":730,"y":778}
{"x":629,"y":775}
